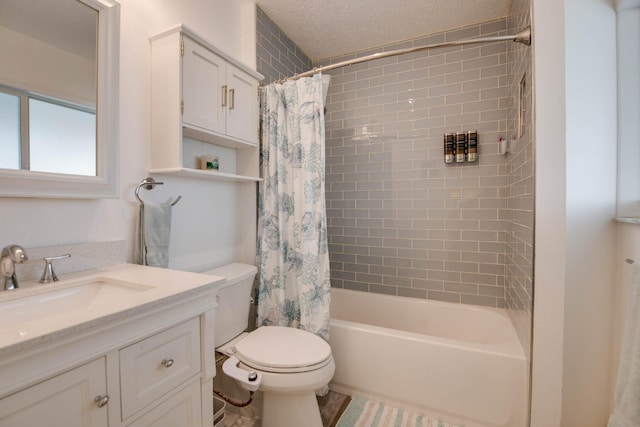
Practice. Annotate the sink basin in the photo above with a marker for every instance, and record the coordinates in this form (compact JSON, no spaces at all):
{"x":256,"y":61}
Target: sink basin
{"x":91,"y":300}
{"x":82,"y":296}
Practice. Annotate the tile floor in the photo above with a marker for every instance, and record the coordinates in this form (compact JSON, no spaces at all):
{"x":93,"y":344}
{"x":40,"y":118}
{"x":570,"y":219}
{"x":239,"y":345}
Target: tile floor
{"x":331,"y":407}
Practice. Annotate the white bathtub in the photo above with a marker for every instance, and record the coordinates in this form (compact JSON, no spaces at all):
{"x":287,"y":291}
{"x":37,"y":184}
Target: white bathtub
{"x":457,"y":362}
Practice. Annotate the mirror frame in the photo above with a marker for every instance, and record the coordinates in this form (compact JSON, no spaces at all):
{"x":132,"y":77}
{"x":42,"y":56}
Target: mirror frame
{"x":24,"y":183}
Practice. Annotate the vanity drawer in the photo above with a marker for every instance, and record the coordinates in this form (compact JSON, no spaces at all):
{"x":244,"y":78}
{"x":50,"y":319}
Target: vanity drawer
{"x":180,"y":410}
{"x":156,"y":365}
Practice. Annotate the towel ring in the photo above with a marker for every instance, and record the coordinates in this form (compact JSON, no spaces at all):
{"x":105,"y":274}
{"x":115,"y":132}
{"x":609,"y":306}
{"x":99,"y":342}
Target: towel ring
{"x":148,"y":184}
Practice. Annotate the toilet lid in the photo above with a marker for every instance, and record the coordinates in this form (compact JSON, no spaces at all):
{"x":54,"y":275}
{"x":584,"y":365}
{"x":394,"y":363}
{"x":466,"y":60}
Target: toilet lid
{"x":280,"y":349}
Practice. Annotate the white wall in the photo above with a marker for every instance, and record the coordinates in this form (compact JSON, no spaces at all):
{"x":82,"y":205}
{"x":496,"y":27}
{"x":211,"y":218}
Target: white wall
{"x":206,"y":223}
{"x":53,"y":71}
{"x":575,"y":97}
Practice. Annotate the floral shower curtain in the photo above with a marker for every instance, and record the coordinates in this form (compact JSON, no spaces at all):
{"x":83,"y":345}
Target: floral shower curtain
{"x":293,"y":253}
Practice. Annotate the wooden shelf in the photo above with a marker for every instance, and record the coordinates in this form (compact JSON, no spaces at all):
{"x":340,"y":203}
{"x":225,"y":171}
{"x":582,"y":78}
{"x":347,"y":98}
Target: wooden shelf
{"x":202,"y":174}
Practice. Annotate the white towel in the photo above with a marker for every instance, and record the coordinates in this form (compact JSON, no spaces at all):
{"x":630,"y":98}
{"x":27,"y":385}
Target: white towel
{"x":153,"y":234}
{"x":626,"y":411}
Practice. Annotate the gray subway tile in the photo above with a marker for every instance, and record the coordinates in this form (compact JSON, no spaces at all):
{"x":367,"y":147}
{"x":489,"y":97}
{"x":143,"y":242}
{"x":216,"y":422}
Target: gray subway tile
{"x":463,"y":288}
{"x":481,"y":279}
{"x":463,"y":55}
{"x":426,"y":229}
{"x":444,"y":296}
{"x":383,"y":271}
{"x":396,"y":280}
{"x":412,"y":293}
{"x":368,"y":278}
{"x":431,"y":285}
{"x":462,"y":76}
{"x":356,"y":286}
{"x":478,"y":300}
{"x":383,"y":289}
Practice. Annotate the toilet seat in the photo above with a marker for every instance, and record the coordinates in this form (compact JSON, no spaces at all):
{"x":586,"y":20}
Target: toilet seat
{"x":281,"y":349}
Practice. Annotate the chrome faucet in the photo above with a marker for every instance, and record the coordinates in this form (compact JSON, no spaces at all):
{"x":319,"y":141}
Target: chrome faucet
{"x":11,"y":255}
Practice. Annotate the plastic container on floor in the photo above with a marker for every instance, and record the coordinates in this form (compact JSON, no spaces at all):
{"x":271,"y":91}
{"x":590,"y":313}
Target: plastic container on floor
{"x":218,"y":412}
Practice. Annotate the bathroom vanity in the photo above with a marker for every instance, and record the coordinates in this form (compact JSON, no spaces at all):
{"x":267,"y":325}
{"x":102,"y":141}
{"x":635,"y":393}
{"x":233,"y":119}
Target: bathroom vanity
{"x":126,"y":345}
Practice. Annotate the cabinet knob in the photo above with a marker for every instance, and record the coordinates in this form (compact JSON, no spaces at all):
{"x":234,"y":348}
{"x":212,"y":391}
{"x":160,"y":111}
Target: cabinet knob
{"x":167,"y":363}
{"x":101,"y":401}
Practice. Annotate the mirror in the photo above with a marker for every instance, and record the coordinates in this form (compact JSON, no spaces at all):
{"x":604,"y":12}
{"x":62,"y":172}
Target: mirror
{"x":59,"y":98}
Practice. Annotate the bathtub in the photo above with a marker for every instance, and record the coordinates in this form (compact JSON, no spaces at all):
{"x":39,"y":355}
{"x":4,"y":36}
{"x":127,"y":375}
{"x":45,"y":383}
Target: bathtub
{"x":460,"y":363}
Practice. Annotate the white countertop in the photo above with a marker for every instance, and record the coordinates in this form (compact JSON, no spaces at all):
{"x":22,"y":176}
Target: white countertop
{"x":144,"y":289}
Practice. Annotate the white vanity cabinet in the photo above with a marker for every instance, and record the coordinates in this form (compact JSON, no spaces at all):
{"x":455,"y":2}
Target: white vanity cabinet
{"x":203,"y":102}
{"x":156,"y":381}
{"x":147,"y":362}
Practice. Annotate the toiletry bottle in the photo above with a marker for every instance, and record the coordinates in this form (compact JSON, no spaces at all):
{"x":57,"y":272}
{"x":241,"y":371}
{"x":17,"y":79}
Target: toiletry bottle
{"x":461,"y":146}
{"x":449,"y":147}
{"x":472,"y":146}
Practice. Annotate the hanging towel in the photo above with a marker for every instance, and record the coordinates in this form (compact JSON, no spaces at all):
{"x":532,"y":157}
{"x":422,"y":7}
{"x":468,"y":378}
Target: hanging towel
{"x":153,"y":234}
{"x":626,"y":410}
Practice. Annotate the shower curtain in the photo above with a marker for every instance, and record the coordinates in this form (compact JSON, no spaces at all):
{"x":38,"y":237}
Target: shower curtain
{"x":293,"y":255}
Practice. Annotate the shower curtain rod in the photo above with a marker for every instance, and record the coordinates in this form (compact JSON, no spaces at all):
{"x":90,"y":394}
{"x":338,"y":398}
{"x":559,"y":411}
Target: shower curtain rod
{"x":523,"y":37}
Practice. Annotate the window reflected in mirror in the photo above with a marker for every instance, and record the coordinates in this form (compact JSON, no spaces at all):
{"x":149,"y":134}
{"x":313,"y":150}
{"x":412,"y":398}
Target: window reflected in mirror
{"x":48,"y":86}
{"x":9,"y":131}
{"x":47,"y":136}
{"x":54,"y":146}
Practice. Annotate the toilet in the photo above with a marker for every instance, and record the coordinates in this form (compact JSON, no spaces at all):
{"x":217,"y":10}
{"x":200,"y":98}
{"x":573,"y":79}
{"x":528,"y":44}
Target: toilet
{"x":286,"y":364}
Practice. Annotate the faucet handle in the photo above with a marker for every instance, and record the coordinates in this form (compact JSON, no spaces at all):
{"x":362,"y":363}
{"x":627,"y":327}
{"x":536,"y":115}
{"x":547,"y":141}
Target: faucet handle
{"x":48,"y":275}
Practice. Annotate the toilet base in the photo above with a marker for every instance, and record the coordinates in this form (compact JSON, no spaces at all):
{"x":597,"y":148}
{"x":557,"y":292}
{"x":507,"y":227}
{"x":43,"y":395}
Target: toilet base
{"x":290,"y":410}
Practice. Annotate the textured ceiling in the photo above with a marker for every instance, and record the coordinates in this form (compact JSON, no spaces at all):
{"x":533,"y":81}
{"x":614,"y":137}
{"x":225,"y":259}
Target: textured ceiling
{"x":328,"y":28}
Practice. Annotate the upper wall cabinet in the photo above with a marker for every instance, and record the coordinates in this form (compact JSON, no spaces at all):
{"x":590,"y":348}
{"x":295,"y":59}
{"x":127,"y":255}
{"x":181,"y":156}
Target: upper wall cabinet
{"x":218,"y":97}
{"x":203,"y":103}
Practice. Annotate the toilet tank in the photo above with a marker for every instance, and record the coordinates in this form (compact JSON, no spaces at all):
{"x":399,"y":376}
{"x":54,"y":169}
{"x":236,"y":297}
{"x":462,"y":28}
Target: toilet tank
{"x":234,"y":300}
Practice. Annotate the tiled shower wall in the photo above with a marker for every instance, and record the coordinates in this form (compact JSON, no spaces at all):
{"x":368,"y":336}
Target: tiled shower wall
{"x":520,"y":181}
{"x":277,"y":56}
{"x":401,"y":221}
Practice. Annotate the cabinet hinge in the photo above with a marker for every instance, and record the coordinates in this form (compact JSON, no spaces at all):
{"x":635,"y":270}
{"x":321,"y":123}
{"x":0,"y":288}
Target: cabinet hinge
{"x":182,"y":106}
{"x":182,"y":47}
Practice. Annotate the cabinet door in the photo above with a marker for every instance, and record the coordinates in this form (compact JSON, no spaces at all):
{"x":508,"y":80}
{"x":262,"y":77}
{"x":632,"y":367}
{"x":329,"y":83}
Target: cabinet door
{"x":242,"y":119}
{"x":66,"y":400}
{"x":203,"y":88}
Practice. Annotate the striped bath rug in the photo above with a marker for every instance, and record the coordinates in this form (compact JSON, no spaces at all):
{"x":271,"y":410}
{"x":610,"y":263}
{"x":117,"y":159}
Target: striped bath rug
{"x":366,"y":413}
